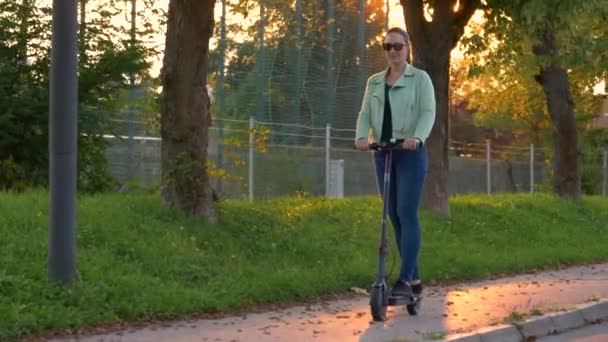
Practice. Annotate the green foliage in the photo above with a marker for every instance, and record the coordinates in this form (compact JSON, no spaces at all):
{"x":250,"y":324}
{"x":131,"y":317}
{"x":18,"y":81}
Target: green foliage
{"x":518,"y":25}
{"x":592,"y":145}
{"x":504,"y":98}
{"x":503,"y":64}
{"x":23,"y":95}
{"x":138,"y":259}
{"x":105,"y":62}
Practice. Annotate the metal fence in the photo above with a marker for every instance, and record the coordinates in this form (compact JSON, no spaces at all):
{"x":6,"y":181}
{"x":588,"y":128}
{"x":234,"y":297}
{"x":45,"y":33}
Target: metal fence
{"x":295,"y":66}
{"x":261,"y":160}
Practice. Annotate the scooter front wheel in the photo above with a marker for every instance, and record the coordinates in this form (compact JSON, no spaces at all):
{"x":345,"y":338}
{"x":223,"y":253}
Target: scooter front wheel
{"x":414,"y":307}
{"x":378,"y":303}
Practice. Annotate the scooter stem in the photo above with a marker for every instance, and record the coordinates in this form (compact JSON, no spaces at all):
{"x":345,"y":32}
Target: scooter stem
{"x":385,"y":202}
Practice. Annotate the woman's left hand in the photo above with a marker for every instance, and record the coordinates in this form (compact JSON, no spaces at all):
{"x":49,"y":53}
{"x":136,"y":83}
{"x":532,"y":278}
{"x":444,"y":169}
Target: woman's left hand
{"x":411,"y":144}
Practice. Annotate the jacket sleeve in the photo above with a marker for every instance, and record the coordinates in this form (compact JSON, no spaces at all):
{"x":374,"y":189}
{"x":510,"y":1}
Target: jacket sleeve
{"x":426,"y":100}
{"x":364,"y":120}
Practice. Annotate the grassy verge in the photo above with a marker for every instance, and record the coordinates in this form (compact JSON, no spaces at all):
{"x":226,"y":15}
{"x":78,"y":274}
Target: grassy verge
{"x":139,"y":259}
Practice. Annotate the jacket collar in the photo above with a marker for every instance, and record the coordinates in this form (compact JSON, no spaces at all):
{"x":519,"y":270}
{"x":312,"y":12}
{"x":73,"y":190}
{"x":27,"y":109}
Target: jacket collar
{"x":408,"y":71}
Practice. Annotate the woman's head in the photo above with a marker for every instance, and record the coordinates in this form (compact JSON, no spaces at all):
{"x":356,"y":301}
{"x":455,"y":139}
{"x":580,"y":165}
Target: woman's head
{"x":396,"y":46}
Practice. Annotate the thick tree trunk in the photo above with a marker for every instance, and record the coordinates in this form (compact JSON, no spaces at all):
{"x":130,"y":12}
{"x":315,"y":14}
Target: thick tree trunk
{"x":435,"y":59}
{"x":554,"y":79}
{"x":432,"y":43}
{"x":185,"y":108}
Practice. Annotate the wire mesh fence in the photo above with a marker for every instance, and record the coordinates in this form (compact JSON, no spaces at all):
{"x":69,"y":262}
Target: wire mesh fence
{"x":261,"y":160}
{"x":281,"y":74}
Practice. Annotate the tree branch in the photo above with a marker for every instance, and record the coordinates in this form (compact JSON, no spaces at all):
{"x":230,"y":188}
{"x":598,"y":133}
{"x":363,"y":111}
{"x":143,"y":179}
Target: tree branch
{"x":444,"y":9}
{"x":460,"y":19}
{"x":465,"y":12}
{"x":413,"y":12}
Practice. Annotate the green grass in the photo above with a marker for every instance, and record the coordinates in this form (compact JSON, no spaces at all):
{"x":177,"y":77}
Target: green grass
{"x":434,"y":335}
{"x":138,"y":259}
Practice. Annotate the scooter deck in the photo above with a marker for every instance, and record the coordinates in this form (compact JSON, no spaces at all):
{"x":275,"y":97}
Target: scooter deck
{"x":398,"y":301}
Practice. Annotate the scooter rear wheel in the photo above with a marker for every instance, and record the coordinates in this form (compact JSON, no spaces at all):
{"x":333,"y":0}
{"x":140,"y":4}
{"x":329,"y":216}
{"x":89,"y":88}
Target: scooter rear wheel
{"x":378,"y":303}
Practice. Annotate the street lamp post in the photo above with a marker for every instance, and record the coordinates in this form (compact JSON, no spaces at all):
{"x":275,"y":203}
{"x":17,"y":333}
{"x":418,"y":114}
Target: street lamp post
{"x":63,"y":147}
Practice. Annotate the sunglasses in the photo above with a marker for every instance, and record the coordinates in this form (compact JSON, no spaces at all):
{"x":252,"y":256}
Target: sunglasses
{"x":396,"y":46}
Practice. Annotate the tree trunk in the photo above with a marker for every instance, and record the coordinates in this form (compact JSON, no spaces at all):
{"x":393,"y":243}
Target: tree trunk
{"x":512,"y":184}
{"x":554,"y":79}
{"x":185,"y":108}
{"x":432,"y":43}
{"x":435,"y":59}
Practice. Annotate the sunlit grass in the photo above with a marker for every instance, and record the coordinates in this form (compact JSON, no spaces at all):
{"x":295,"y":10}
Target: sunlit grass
{"x":137,"y":258}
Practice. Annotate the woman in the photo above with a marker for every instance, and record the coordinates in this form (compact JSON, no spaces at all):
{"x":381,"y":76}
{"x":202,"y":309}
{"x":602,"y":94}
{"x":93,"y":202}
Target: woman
{"x":399,"y":103}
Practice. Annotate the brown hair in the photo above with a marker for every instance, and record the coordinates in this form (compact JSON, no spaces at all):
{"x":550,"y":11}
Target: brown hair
{"x":406,"y":38}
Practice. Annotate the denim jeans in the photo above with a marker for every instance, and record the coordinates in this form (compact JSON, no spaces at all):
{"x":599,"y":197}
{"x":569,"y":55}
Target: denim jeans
{"x":408,"y":172}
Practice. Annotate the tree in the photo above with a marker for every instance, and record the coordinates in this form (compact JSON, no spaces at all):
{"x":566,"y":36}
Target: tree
{"x":503,"y":96}
{"x":506,"y":97}
{"x":185,"y":116}
{"x":432,"y":43}
{"x":105,"y":60}
{"x":561,"y":36}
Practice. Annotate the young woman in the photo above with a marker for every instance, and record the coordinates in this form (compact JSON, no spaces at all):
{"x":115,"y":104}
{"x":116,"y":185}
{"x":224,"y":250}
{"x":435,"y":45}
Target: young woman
{"x":399,"y":103}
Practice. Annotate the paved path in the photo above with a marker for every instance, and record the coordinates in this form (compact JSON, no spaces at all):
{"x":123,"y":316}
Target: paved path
{"x":445,"y":310}
{"x":591,"y":333}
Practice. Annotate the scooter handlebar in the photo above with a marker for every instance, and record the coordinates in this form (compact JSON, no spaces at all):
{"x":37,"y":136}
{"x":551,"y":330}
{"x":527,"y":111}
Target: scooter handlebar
{"x":384,"y":146}
{"x":395,"y":144}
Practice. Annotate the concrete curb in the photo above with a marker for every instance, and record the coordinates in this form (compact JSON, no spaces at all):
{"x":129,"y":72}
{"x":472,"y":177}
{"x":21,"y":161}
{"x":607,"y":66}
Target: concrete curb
{"x":531,"y":329}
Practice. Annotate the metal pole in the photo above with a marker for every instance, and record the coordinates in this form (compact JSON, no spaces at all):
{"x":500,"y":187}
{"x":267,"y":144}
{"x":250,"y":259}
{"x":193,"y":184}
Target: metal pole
{"x":298,"y":70}
{"x":331,"y":27}
{"x":327,"y":157}
{"x":63,"y":147}
{"x":361,"y":45}
{"x":488,"y":167}
{"x":23,"y":36}
{"x":260,"y":65}
{"x":131,"y":112}
{"x":251,"y":150}
{"x":531,"y":168}
{"x":220,"y":90}
{"x":605,"y":167}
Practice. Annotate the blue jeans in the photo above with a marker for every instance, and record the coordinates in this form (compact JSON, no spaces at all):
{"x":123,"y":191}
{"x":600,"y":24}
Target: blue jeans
{"x":408,"y":172}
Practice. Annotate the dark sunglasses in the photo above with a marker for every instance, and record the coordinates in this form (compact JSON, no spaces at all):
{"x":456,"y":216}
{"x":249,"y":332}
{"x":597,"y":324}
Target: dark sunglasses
{"x":396,"y":46}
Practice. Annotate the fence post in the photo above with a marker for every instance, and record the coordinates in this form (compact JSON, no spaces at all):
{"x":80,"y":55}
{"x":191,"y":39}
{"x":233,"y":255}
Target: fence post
{"x":251,"y":150}
{"x":488,"y":167}
{"x":605,"y":167}
{"x":531,"y":168}
{"x":327,"y":157}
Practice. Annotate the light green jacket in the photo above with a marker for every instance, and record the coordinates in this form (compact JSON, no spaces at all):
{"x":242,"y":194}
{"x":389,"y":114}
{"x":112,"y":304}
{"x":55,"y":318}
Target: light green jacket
{"x":412,"y":100}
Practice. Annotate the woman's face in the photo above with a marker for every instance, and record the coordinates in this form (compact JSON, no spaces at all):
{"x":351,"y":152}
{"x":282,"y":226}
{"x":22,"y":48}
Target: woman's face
{"x":395,"y":48}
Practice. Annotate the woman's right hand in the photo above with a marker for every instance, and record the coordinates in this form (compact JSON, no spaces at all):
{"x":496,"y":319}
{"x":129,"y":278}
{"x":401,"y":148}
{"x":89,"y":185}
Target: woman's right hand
{"x":362,"y":144}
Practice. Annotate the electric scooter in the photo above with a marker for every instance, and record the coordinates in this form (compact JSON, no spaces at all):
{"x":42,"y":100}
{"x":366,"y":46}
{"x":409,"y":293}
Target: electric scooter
{"x":380,"y":296}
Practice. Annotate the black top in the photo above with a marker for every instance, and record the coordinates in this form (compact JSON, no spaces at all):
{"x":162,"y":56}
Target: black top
{"x":387,"y":122}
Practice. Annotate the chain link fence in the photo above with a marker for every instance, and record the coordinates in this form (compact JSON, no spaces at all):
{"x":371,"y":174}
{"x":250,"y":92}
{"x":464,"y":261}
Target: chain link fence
{"x":282,"y":72}
{"x":262,"y":160}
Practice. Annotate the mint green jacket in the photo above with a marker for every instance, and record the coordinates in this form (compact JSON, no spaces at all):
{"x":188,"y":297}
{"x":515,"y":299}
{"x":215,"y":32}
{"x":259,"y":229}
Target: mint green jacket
{"x":412,"y":100}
